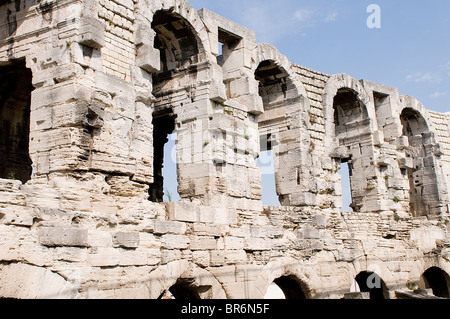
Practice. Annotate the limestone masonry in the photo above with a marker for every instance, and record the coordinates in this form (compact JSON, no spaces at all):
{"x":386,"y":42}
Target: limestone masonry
{"x":91,"y":90}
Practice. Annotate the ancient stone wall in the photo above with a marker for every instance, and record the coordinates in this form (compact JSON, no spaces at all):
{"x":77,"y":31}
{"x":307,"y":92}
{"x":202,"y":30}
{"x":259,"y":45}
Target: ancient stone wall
{"x":90,"y":92}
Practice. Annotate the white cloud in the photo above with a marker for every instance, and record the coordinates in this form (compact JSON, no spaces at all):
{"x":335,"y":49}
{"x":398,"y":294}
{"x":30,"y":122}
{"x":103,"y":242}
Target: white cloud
{"x":436,"y":95}
{"x":447,"y":66}
{"x":303,"y":15}
{"x":332,"y":17}
{"x":420,"y":77}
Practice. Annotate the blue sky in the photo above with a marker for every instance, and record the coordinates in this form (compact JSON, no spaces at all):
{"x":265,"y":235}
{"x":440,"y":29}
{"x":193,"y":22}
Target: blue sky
{"x":411,"y":50}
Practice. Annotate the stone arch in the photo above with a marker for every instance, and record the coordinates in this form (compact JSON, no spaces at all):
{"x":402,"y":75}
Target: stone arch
{"x":200,"y":281}
{"x":423,"y":169}
{"x":287,"y":268}
{"x":285,"y":121}
{"x":267,"y":52}
{"x":334,"y":84}
{"x":373,"y":264}
{"x":23,"y":281}
{"x":146,"y":9}
{"x":408,"y":102}
{"x":349,"y":124}
{"x":371,"y":282}
{"x":185,"y":81}
{"x":436,"y":279}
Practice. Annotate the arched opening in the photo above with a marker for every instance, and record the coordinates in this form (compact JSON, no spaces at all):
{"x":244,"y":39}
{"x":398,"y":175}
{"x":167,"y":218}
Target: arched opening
{"x":172,"y":89}
{"x":421,"y":174}
{"x":370,"y":282}
{"x":175,"y":40}
{"x":273,"y":89}
{"x":286,"y":287}
{"x":351,"y":122}
{"x":15,"y":100}
{"x":438,"y":280}
{"x":183,"y":289}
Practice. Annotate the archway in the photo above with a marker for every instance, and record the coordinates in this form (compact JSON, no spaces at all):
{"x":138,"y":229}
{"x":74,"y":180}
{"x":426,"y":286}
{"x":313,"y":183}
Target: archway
{"x":181,"y":280}
{"x":15,"y":100}
{"x":272,"y":81}
{"x":421,"y":174}
{"x":293,"y":279}
{"x":286,"y":287}
{"x":173,"y":90}
{"x":438,"y":280}
{"x":282,"y":129}
{"x":183,"y":289}
{"x":370,"y":282}
{"x":352,"y":131}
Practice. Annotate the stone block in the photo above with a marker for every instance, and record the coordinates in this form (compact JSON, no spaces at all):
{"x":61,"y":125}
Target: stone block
{"x":217,"y":91}
{"x":233,"y":243}
{"x":217,"y":257}
{"x":256,"y":244}
{"x":148,"y":58}
{"x":63,"y":236}
{"x":235,"y":257}
{"x":183,"y":212}
{"x":201,"y":258}
{"x":253,"y":103}
{"x":92,"y":32}
{"x":169,"y":227}
{"x":406,"y":162}
{"x":402,"y":142}
{"x":309,"y":232}
{"x":144,"y":34}
{"x":243,"y":86}
{"x":225,"y":216}
{"x":18,"y":215}
{"x":126,"y":239}
{"x":340,"y":152}
{"x":105,"y":257}
{"x":170,"y":241}
{"x":202,"y":243}
{"x":266,"y":231}
{"x":378,"y":138}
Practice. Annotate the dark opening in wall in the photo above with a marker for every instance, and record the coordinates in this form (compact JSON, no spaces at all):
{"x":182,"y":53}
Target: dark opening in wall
{"x":346,"y":173}
{"x":291,"y":288}
{"x":382,"y":104}
{"x":352,"y":130}
{"x":272,"y":88}
{"x":175,"y":40}
{"x":163,"y":126}
{"x":416,"y":130}
{"x":182,"y":290}
{"x":15,"y":99}
{"x":373,"y":284}
{"x":272,"y":82}
{"x":438,"y":280}
{"x":227,"y":43}
{"x":350,"y":115}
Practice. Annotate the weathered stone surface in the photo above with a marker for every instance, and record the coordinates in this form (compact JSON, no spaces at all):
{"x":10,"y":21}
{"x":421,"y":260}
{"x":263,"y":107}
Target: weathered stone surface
{"x":126,"y":239}
{"x":87,"y":104}
{"x":63,"y":236}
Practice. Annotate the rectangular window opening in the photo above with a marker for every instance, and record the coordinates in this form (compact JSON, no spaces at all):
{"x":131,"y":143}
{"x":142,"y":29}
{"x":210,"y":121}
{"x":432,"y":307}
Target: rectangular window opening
{"x":345,"y":173}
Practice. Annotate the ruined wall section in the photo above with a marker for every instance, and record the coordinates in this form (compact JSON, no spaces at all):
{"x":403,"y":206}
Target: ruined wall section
{"x":442,"y":124}
{"x":323,"y":174}
{"x":141,"y":250}
{"x":84,"y":227}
